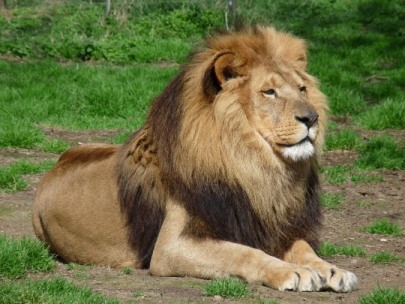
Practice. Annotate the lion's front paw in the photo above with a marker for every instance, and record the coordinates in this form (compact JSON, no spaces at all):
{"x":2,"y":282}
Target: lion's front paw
{"x":340,"y":280}
{"x":298,"y":279}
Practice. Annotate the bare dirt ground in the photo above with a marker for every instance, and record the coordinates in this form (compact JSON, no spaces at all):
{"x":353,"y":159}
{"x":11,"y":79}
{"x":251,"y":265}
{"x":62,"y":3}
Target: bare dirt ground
{"x":342,"y":227}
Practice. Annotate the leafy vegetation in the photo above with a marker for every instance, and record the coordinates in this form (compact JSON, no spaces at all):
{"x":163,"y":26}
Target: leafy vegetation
{"x":11,"y":177}
{"x":327,"y":249}
{"x":18,"y":257}
{"x":383,"y":226}
{"x":226,"y":287}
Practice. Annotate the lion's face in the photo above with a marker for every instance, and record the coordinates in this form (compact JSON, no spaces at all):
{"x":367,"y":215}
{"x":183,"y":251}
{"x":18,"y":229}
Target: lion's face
{"x":267,"y":70}
{"x":282,"y":112}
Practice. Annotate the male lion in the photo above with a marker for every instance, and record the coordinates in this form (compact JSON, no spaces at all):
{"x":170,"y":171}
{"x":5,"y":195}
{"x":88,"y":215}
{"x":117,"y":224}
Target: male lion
{"x":220,"y":181}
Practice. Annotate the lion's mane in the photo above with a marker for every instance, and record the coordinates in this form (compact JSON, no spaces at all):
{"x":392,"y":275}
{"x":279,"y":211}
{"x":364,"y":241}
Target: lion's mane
{"x":199,"y":148}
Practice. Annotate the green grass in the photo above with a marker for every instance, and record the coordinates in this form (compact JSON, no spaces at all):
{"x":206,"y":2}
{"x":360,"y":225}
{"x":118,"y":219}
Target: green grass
{"x":387,"y":115}
{"x":364,"y":203}
{"x":18,"y":257}
{"x":226,"y":287}
{"x":122,"y":137}
{"x":54,"y":146}
{"x":354,"y":51}
{"x":383,"y":226}
{"x":327,"y":249}
{"x":55,"y":290}
{"x":385,"y":258}
{"x":383,"y":295}
{"x":11,"y":177}
{"x":78,"y":30}
{"x":80,"y":97}
{"x":342,"y":140}
{"x":137,"y":294}
{"x":382,"y":152}
{"x":361,"y":177}
{"x":127,"y":270}
{"x":332,"y":201}
{"x":336,"y":174}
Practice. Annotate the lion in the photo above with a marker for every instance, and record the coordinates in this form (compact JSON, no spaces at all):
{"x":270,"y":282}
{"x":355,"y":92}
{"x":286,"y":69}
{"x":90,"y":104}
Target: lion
{"x":221,"y":180}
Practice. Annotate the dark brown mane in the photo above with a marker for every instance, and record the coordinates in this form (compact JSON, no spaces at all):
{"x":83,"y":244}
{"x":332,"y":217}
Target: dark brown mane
{"x":223,"y":211}
{"x":144,"y":210}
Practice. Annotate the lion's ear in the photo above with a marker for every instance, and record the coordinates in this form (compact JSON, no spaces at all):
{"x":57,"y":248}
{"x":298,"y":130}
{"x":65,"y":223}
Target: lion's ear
{"x":224,"y":67}
{"x":296,"y":54}
{"x":301,"y":61}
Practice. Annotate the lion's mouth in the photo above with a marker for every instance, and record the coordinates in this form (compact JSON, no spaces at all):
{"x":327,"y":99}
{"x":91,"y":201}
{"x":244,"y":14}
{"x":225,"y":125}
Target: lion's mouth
{"x":302,"y":150}
{"x":303,"y":141}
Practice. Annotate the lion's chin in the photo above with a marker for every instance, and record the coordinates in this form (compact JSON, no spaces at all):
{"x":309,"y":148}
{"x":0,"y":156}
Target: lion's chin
{"x":300,"y":151}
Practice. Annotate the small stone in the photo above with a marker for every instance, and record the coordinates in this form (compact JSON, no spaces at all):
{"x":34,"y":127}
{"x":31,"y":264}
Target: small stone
{"x":383,"y":240}
{"x":217,"y":298}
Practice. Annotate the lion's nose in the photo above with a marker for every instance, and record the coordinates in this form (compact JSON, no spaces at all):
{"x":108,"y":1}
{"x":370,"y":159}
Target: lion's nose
{"x":309,"y":118}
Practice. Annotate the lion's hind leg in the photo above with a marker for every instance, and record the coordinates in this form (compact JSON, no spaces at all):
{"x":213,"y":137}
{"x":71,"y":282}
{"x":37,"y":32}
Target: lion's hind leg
{"x":334,"y":278}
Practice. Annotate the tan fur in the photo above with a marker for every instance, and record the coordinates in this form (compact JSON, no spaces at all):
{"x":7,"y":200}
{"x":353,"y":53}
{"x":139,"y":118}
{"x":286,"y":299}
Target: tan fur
{"x":220,"y":181}
{"x":76,"y":210}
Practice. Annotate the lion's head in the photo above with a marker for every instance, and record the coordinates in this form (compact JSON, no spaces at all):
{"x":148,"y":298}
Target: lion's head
{"x":251,"y":83}
{"x":280,"y":100}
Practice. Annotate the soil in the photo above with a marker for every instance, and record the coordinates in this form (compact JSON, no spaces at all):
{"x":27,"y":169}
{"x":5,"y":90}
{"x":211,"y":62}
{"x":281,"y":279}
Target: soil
{"x":342,"y":227}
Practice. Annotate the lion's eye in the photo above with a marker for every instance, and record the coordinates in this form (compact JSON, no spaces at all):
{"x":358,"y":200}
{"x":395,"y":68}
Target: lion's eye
{"x":270,"y":93}
{"x":303,"y":89}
